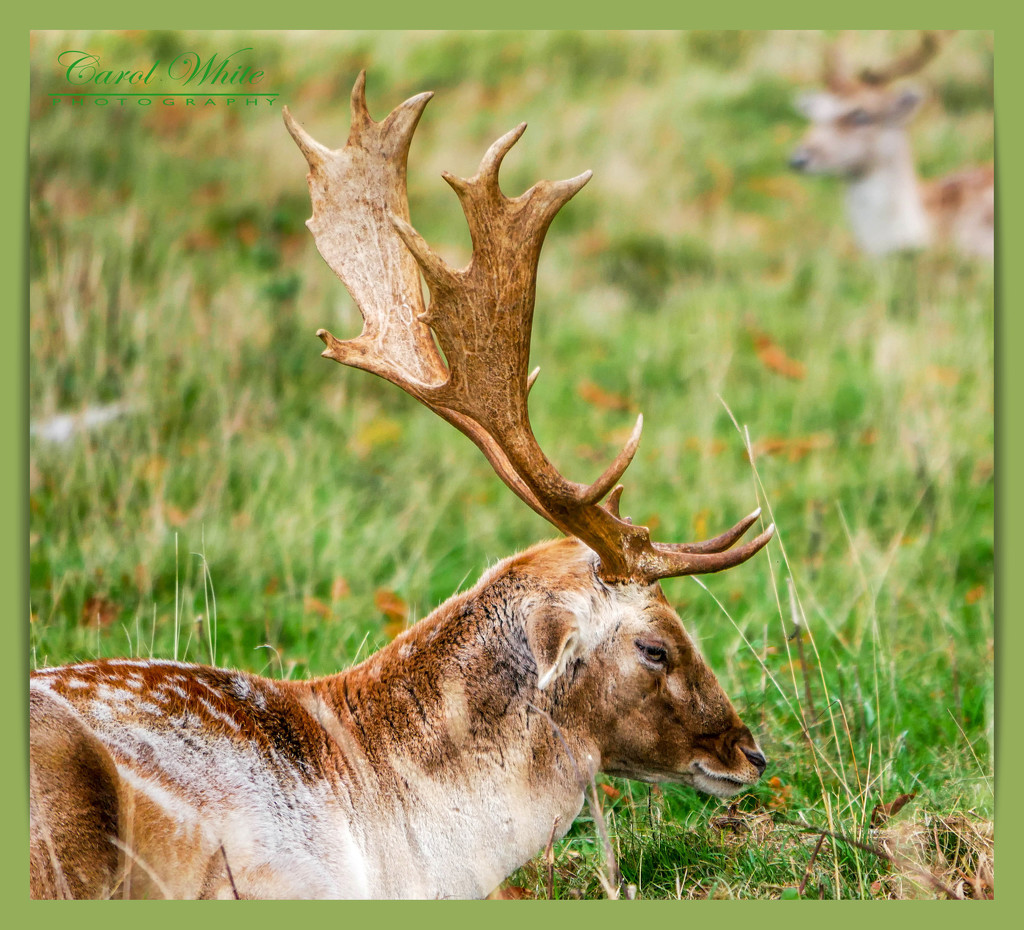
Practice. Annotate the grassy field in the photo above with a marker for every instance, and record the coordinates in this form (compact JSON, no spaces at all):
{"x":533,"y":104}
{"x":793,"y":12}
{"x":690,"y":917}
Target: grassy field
{"x":255,"y":506}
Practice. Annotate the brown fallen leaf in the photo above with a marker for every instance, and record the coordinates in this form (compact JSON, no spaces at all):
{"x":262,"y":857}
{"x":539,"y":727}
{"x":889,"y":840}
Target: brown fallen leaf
{"x":99,"y":611}
{"x":339,"y":589}
{"x":511,"y":893}
{"x":390,"y":604}
{"x":599,"y":397}
{"x":200,"y":240}
{"x":975,"y":594}
{"x":652,"y":521}
{"x":729,"y":820}
{"x":794,"y":448}
{"x":175,"y":516}
{"x":781,"y":794}
{"x":883,"y":812}
{"x":775,"y":359}
{"x":314,"y":605}
{"x":782,"y":187}
{"x":247,"y":232}
{"x":395,"y":609}
{"x":154,"y":468}
{"x":709,"y":447}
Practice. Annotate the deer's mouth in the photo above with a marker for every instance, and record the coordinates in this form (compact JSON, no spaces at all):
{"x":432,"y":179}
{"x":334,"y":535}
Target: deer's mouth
{"x":720,"y":784}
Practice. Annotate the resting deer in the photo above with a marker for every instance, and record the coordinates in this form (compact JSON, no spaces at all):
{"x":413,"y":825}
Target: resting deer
{"x":859,"y":133}
{"x":447,"y":759}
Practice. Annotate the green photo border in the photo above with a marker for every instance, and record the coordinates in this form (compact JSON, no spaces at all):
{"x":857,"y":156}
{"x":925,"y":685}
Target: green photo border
{"x":526,"y":14}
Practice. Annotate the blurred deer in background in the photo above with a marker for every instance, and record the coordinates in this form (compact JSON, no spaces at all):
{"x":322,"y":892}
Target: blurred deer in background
{"x":450,"y":757}
{"x":859,"y":133}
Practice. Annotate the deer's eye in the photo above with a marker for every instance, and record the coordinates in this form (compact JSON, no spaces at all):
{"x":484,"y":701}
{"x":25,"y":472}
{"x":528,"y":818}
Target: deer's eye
{"x":858,"y":117}
{"x":653,"y":655}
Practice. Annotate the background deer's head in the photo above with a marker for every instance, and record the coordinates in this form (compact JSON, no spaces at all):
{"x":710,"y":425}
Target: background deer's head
{"x":858,"y":123}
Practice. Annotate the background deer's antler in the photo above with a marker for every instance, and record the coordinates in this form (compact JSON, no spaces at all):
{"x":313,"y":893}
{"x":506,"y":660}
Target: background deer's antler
{"x":929,"y":43}
{"x":481,"y":316}
{"x":839,"y":77}
{"x":836,"y":68}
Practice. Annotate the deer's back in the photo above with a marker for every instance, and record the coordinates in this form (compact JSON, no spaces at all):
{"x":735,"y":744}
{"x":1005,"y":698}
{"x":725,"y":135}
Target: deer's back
{"x":962,"y":206}
{"x":198,"y":771}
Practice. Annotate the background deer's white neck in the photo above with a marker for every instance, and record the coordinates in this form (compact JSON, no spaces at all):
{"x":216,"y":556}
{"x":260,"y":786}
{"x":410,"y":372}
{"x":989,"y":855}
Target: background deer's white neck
{"x":885,"y":206}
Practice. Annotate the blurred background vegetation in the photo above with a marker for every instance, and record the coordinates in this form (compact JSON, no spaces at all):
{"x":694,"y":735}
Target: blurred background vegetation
{"x":244,"y":502}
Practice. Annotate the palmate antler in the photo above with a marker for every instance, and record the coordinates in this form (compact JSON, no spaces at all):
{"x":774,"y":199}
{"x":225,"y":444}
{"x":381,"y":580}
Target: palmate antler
{"x":481,"y":317}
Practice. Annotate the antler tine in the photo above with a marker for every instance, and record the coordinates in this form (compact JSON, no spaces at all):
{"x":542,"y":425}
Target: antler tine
{"x":494,"y":155}
{"x":836,"y":68}
{"x":671,"y":562}
{"x":597,"y":491}
{"x":481,"y":317}
{"x":719,"y":543}
{"x":314,"y":152}
{"x":929,"y":43}
{"x":614,"y":499}
{"x":360,"y":113}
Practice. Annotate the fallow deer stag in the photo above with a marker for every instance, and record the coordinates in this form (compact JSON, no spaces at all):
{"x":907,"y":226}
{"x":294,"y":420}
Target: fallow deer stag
{"x":859,"y":133}
{"x":447,"y":759}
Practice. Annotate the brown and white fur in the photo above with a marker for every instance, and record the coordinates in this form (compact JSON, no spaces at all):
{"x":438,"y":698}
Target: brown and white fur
{"x":431,"y":770}
{"x":860,"y":134}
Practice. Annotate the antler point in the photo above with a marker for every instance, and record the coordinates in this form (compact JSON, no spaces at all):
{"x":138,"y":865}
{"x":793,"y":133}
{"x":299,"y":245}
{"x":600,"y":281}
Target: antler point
{"x":457,"y":184}
{"x":314,"y":152}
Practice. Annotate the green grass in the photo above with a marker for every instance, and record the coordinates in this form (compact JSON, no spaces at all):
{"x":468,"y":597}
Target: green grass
{"x":256,"y":499}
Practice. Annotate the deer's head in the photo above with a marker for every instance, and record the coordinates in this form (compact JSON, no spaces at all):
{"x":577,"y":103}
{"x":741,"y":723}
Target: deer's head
{"x":617,"y":671}
{"x":859,"y":121}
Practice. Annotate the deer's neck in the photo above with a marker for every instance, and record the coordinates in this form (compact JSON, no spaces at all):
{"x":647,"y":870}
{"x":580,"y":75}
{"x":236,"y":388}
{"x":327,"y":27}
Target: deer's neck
{"x":453,"y":773}
{"x":885,"y":205}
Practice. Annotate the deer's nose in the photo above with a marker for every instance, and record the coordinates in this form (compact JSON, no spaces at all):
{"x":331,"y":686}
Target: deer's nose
{"x":799,"y":160}
{"x":757,"y":759}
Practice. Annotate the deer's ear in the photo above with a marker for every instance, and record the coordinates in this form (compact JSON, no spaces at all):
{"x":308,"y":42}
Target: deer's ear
{"x":904,"y":105}
{"x":553,"y":635}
